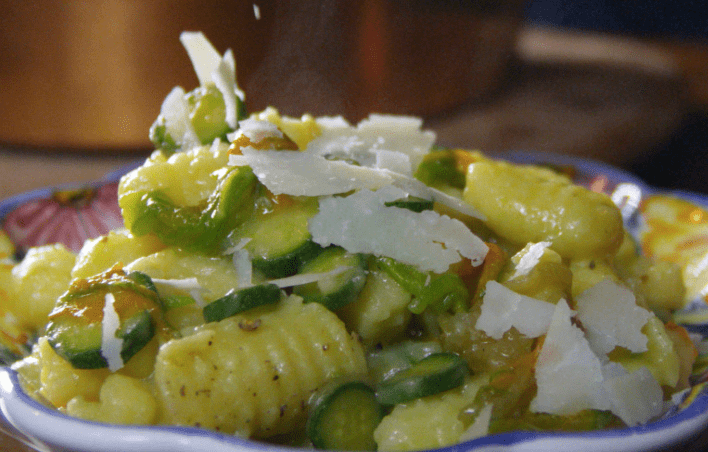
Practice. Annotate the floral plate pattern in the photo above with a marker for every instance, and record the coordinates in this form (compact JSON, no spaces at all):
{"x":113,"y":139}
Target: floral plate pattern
{"x":669,"y":225}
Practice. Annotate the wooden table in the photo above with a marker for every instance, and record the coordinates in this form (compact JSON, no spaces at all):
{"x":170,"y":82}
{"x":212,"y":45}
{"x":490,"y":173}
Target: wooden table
{"x":661,"y":81}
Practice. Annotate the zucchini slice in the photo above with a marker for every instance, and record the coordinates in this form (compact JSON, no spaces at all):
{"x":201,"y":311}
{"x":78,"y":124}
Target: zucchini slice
{"x":75,"y":325}
{"x":280,"y":241}
{"x":433,"y":374}
{"x":344,"y":417}
{"x":237,"y":301}
{"x":339,"y":289}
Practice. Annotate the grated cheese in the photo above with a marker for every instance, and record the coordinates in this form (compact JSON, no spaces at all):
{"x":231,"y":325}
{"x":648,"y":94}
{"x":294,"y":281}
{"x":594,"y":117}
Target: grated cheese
{"x":503,"y":308}
{"x":111,"y":346}
{"x":611,"y":317}
{"x":361,"y":223}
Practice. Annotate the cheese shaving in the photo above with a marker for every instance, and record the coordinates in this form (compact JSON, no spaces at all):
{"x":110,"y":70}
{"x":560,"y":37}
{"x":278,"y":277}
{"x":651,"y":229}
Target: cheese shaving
{"x":205,"y":58}
{"x":503,"y":309}
{"x":634,"y":397}
{"x":190,"y":285}
{"x":301,"y":174}
{"x":224,"y":77}
{"x":244,"y":268}
{"x":568,"y":373}
{"x":111,"y":346}
{"x":528,"y":258}
{"x":611,"y":318}
{"x":361,"y":223}
{"x":401,"y":134}
{"x":307,"y":278}
{"x":175,"y":111}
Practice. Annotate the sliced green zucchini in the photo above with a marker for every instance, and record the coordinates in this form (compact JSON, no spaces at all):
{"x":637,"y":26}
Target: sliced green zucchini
{"x":241,"y":300}
{"x":280,"y":241}
{"x":344,"y":417}
{"x":337,"y":290}
{"x":433,"y":374}
{"x":440,"y":292}
{"x":413,"y":203}
{"x":439,"y":168}
{"x":200,"y":228}
{"x":387,"y":361}
{"x":75,"y":325}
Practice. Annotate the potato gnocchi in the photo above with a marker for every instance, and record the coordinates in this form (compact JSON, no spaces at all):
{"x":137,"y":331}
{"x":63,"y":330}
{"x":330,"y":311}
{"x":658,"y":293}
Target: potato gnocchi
{"x":250,"y":292}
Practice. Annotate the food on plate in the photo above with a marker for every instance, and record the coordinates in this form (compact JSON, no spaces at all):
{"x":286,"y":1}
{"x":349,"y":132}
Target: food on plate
{"x":309,"y":282}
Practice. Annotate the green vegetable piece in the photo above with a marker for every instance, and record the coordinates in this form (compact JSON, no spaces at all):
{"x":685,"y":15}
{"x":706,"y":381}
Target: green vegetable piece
{"x":75,"y":325}
{"x":384,"y":363}
{"x":237,"y":301}
{"x":280,"y":241}
{"x":344,"y":417}
{"x":200,"y":228}
{"x":439,"y":292}
{"x":585,"y":420}
{"x":433,"y":374}
{"x":161,"y":138}
{"x":440,"y":168}
{"x":413,"y":203}
{"x":340,"y":289}
{"x":207,"y":112}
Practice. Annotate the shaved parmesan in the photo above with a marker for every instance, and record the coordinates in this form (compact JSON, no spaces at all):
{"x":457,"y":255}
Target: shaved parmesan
{"x":224,"y":77}
{"x":400,"y":134}
{"x":307,"y":278}
{"x":634,"y":397}
{"x":301,"y":174}
{"x":568,"y":373}
{"x":205,"y":58}
{"x":176,"y":114}
{"x":361,"y":223}
{"x":503,"y":308}
{"x":570,"y":377}
{"x":190,"y":285}
{"x":256,"y":130}
{"x":111,"y":346}
{"x":394,"y":161}
{"x":611,"y":318}
{"x":528,"y":258}
{"x":244,"y":268}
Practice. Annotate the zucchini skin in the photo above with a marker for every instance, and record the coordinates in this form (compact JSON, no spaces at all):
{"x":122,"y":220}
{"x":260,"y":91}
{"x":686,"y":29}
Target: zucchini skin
{"x":238,"y":301}
{"x":344,"y":287}
{"x":75,"y":325}
{"x":344,"y":417}
{"x":433,"y":374}
{"x":201,"y":228}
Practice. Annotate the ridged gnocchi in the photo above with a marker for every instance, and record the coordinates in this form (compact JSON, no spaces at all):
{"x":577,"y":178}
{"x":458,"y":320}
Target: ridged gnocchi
{"x":253,"y":374}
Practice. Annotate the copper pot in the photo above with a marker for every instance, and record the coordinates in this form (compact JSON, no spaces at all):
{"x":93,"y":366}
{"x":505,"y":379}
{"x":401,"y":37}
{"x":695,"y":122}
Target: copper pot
{"x":92,"y":74}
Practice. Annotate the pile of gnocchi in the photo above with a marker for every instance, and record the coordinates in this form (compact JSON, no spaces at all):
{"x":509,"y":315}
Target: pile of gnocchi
{"x":309,"y":282}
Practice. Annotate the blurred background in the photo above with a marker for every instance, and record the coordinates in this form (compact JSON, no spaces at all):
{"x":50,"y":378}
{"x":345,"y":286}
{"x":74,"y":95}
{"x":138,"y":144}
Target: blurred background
{"x":622,"y":82}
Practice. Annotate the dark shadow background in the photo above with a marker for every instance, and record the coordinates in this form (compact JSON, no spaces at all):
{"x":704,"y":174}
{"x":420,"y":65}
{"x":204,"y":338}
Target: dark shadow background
{"x":682,"y":163}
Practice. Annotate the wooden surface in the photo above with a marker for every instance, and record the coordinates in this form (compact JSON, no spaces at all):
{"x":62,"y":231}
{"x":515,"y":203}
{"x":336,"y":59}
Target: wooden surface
{"x":604,"y":97}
